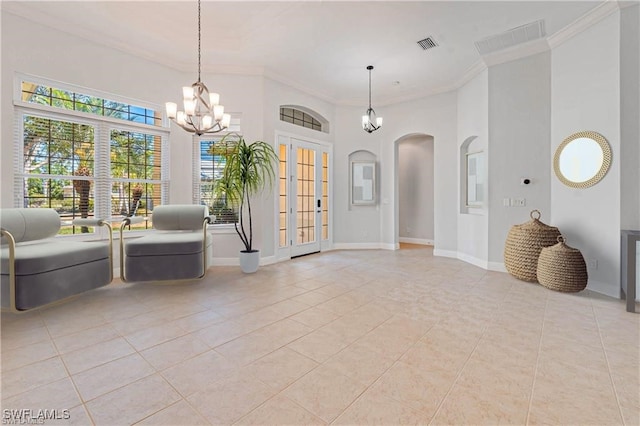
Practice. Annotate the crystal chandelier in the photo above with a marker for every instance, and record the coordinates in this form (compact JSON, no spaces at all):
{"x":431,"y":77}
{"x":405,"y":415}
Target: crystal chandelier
{"x":369,"y":121}
{"x":202,"y":110}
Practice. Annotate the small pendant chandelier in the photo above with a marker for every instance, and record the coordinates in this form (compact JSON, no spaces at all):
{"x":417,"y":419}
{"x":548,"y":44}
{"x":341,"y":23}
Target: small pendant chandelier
{"x":371,"y":123}
{"x":202,"y":110}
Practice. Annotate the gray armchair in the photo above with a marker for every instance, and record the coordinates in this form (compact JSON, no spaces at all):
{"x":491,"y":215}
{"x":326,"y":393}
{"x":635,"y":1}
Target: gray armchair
{"x":175,"y":250}
{"x":38,"y":269}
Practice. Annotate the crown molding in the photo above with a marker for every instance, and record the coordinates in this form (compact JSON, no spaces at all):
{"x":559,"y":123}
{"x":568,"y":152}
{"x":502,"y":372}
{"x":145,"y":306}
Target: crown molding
{"x":623,"y":4}
{"x":475,"y":69}
{"x":413,"y":96}
{"x":228,"y":69}
{"x":299,"y":86}
{"x":471,"y":72}
{"x":516,"y":52}
{"x":587,"y":20}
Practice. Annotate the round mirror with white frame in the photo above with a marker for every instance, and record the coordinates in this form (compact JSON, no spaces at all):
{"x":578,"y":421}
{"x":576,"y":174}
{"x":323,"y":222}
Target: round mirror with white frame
{"x":582,"y":159}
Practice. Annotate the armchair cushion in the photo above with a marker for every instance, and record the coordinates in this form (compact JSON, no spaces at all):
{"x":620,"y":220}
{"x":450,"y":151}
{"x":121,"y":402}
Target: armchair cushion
{"x":30,"y":224}
{"x":166,"y":243}
{"x":37,"y":257}
{"x":179,"y":217}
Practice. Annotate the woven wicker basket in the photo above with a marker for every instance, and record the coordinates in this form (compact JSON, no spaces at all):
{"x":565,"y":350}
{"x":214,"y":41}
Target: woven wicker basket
{"x":562,"y":268}
{"x":523,"y":246}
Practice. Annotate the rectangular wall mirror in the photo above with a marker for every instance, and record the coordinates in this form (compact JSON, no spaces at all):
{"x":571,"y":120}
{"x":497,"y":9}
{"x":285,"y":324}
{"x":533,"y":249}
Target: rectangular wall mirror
{"x":475,"y":179}
{"x":363,"y":182}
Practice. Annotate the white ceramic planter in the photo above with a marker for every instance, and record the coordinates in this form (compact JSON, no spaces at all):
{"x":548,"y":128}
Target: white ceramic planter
{"x":249,"y":261}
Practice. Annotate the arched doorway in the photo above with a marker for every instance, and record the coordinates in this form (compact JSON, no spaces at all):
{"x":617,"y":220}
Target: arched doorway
{"x":414,"y":203}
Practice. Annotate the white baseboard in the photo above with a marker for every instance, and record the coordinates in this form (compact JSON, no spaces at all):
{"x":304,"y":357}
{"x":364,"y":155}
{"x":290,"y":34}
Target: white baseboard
{"x":235,"y":261}
{"x":604,"y":288}
{"x":445,"y":253}
{"x":497,"y":266}
{"x":268,"y":260}
{"x":491,"y":266}
{"x":421,"y":241}
{"x":473,"y":260}
{"x":596,"y":286}
{"x":226,"y":261}
{"x":362,"y":246}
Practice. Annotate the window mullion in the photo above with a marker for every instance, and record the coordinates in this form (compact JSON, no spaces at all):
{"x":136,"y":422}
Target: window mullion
{"x":18,"y":166}
{"x":165,"y":174}
{"x":196,"y":170}
{"x":102,"y":183}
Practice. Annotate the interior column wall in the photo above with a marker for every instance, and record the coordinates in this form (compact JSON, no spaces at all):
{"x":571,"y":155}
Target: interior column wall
{"x":585,"y":91}
{"x":473,"y":120}
{"x":630,"y":117}
{"x":519,"y":132}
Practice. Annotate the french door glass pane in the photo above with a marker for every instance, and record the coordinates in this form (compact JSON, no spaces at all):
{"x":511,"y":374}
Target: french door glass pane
{"x":305,"y":224}
{"x":325,"y":196}
{"x":283,"y":196}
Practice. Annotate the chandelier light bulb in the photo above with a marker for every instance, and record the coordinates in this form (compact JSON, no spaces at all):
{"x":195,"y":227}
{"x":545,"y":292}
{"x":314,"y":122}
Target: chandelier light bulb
{"x":226,"y":121}
{"x":218,"y":112}
{"x":187,"y":93}
{"x":180,"y":118}
{"x":207,"y":121}
{"x":172,"y":109}
{"x":190,"y":107}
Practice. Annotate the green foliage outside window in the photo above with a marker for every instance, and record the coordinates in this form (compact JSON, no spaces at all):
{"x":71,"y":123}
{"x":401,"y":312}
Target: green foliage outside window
{"x":60,"y":155}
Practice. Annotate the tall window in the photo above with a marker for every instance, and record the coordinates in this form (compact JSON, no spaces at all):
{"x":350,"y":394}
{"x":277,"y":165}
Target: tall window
{"x":325,"y":196}
{"x":211,"y":187}
{"x":282,"y":179}
{"x":58,"y":161}
{"x":136,"y":172}
{"x":87,"y":156}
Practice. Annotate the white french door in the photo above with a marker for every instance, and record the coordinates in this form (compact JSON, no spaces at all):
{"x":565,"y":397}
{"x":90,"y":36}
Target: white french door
{"x":308,"y":197}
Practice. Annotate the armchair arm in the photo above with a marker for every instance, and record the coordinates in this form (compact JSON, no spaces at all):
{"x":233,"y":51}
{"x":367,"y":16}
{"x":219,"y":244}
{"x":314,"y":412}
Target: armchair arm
{"x":7,"y":234}
{"x":125,"y":222}
{"x":99,"y":222}
{"x":210,"y":220}
{"x":12,"y":268}
{"x":132,"y":220}
{"x":88,"y":222}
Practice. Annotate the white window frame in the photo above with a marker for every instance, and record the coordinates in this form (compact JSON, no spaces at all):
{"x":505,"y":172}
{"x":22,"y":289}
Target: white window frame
{"x":196,"y":162}
{"x":102,"y":135}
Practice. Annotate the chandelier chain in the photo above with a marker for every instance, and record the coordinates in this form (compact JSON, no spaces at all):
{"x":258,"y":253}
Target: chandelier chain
{"x":369,"y":88}
{"x":199,"y":38}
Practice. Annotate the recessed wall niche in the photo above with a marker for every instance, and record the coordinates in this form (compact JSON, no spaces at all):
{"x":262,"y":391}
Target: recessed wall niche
{"x":473,"y":176}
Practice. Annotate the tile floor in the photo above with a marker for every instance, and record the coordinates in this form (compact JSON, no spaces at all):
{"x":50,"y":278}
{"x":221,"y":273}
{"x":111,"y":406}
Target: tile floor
{"x":343,"y":337}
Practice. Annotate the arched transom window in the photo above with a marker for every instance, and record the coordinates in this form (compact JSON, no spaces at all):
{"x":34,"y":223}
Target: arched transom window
{"x":300,"y":118}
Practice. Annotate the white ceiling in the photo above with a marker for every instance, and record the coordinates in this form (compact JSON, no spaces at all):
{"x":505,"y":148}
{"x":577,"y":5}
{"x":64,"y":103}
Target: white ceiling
{"x":322,"y":47}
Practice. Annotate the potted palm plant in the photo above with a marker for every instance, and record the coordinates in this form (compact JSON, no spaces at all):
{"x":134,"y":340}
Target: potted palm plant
{"x":249,"y":169}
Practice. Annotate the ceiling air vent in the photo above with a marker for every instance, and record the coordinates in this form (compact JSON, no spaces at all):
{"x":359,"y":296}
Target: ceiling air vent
{"x":518,"y":35}
{"x":427,"y":43}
